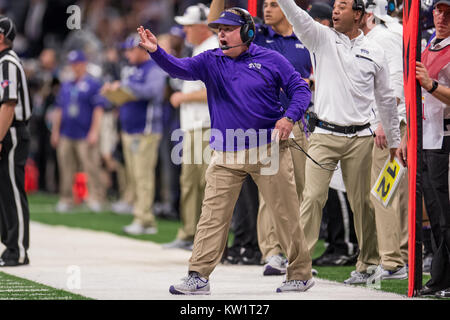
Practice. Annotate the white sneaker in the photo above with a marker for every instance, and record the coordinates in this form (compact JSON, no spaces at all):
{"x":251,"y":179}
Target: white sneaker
{"x":138,"y":229}
{"x":63,"y":207}
{"x":122,"y":207}
{"x":314,"y":272}
{"x":296,"y":285}
{"x":357,"y":278}
{"x":179,"y":244}
{"x":193,"y":284}
{"x":94,"y":206}
{"x":275,"y":266}
{"x":382,"y":274}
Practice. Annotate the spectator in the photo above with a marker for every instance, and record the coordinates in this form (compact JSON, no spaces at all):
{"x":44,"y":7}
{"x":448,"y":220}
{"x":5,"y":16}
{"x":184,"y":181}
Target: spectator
{"x":75,"y":133}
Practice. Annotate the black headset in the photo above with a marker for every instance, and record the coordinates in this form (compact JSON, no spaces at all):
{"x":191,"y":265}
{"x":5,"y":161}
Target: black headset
{"x":358,"y":5}
{"x":248,"y":30}
{"x":203,"y":16}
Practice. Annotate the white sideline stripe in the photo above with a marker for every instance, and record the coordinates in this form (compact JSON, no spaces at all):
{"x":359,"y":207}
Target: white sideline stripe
{"x":12,"y":178}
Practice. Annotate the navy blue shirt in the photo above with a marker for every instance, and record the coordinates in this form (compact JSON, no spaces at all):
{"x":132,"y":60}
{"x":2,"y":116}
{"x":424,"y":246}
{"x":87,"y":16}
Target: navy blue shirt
{"x":243,"y":93}
{"x":290,"y":47}
{"x":77,"y":100}
{"x":147,"y":82}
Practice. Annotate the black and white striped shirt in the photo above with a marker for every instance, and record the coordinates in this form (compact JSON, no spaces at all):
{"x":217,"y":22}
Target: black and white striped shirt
{"x":13,"y":85}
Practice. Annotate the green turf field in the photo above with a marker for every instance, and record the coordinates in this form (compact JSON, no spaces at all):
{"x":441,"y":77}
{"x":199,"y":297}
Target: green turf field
{"x":14,"y":288}
{"x":42,"y":210}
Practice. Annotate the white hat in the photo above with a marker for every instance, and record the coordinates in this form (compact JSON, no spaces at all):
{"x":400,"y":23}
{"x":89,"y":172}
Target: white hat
{"x":379,"y":8}
{"x":197,"y":14}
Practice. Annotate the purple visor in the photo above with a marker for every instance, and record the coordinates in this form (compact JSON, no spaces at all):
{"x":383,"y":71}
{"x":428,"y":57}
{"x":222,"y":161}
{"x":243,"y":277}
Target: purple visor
{"x":227,"y":18}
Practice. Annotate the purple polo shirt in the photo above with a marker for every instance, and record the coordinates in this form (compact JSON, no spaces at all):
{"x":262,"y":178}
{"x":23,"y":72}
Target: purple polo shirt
{"x":243,"y":93}
{"x":77,"y":100}
{"x":290,"y":47}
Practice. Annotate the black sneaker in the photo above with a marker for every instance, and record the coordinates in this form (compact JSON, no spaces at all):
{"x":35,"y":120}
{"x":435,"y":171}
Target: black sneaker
{"x":443,"y":293}
{"x":427,"y":291}
{"x":251,"y":257}
{"x":13,"y":263}
{"x":232,"y":256}
{"x":334,"y":259}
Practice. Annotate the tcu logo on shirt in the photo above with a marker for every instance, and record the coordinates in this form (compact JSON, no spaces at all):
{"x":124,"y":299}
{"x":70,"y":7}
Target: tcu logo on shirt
{"x":299,"y":46}
{"x":254,"y":66}
{"x":364,"y":51}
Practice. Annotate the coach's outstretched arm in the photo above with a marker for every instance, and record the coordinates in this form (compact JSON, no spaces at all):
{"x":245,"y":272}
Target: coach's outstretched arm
{"x":185,"y":68}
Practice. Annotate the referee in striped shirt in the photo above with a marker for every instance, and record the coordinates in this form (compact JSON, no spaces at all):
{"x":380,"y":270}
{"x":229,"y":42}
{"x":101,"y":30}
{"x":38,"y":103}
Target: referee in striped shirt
{"x":15,"y":110}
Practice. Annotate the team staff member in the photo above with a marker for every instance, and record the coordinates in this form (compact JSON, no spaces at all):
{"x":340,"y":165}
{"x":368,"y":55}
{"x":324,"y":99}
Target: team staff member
{"x":75,"y":133}
{"x":350,"y":71}
{"x":276,"y":33}
{"x":141,"y":123}
{"x":243,"y":82}
{"x":15,"y":111}
{"x":433,"y":73}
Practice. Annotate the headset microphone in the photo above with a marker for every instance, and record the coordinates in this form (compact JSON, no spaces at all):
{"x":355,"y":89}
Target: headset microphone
{"x":228,"y":47}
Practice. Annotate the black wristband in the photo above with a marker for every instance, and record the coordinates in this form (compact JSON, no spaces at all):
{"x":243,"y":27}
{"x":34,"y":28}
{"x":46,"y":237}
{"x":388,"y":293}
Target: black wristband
{"x":434,"y":87}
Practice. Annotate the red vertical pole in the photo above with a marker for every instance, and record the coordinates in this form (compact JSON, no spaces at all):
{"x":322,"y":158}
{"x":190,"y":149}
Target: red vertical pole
{"x":411,"y":54}
{"x":253,"y":7}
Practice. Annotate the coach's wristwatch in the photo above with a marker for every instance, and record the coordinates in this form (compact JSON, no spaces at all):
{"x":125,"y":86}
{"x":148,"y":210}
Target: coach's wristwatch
{"x":434,"y":87}
{"x":290,"y":120}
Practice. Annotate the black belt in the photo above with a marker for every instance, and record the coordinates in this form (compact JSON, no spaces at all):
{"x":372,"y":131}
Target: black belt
{"x":341,"y":129}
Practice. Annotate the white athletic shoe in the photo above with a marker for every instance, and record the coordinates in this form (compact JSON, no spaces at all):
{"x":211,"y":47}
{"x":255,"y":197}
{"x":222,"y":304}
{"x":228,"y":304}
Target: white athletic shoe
{"x":193,"y":284}
{"x":275,"y":266}
{"x":94,"y":206}
{"x":138,"y":229}
{"x":382,"y":274}
{"x":357,"y":278}
{"x":122,"y":207}
{"x":63,"y":207}
{"x":296,"y":285}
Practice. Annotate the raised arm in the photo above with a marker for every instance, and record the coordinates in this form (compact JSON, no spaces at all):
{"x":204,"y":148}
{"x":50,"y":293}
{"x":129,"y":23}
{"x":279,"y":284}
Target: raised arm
{"x":185,"y":68}
{"x":217,"y":6}
{"x":308,"y":31}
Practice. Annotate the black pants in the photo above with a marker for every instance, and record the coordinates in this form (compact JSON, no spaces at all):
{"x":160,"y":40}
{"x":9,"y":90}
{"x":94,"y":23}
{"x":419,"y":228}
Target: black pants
{"x":14,"y":213}
{"x":435,"y":189}
{"x":338,"y":218}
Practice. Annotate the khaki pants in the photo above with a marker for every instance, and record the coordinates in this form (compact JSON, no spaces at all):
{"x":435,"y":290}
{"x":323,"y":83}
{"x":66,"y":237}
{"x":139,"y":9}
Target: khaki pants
{"x":389,"y":221}
{"x":223,"y":185}
{"x":141,"y":154}
{"x":78,"y":155}
{"x":355,"y":155}
{"x":192,"y":183}
{"x":267,"y":239}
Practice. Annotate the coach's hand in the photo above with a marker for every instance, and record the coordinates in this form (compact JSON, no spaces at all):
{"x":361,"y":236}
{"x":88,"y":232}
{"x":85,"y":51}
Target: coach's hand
{"x":148,"y":40}
{"x":284,"y":128}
